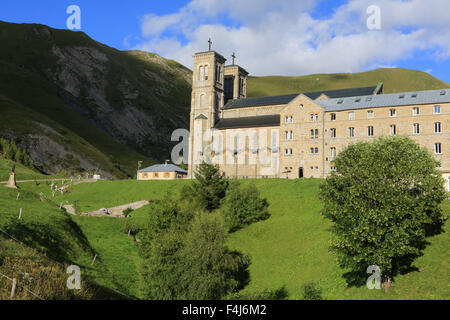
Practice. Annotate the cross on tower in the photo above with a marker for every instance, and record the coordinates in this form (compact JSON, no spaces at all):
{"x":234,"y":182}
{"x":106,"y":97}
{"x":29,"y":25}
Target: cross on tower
{"x":210,"y":43}
{"x":234,"y":57}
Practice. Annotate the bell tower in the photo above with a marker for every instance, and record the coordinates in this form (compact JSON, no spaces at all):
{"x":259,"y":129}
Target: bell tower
{"x":207,"y":101}
{"x":235,"y":81}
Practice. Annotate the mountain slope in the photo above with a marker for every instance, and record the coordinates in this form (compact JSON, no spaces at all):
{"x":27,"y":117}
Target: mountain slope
{"x":65,"y":95}
{"x":394,"y":80}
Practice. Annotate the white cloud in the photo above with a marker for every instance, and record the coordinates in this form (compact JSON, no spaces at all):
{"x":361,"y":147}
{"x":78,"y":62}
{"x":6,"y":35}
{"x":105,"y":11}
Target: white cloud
{"x":282,"y":37}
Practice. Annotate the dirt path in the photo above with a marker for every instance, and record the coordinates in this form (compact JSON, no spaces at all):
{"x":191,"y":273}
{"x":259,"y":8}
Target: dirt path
{"x":116,"y":212}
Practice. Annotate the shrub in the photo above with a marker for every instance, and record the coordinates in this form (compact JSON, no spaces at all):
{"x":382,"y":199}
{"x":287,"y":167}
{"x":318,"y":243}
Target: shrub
{"x":311,"y":291}
{"x":243,"y":206}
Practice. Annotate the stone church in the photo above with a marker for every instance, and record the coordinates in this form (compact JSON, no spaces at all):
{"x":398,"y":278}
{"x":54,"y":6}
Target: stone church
{"x":299,"y":135}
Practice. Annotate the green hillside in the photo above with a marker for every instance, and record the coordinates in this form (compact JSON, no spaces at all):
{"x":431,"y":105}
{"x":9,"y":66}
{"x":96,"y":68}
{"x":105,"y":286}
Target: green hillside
{"x":22,"y":172}
{"x":79,"y":105}
{"x":287,"y":250}
{"x":394,"y":80}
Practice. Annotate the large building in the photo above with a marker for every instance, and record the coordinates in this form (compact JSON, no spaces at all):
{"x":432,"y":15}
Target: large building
{"x":298,"y":135}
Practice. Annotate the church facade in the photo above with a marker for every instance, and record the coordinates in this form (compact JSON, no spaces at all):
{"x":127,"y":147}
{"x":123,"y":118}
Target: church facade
{"x":299,"y":135}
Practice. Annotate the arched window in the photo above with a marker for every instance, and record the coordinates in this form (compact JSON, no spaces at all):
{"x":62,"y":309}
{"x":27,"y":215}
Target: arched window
{"x":206,"y":72}
{"x":202,"y":73}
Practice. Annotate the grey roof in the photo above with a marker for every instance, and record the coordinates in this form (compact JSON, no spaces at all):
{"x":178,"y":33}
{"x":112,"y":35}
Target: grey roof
{"x":164,"y":168}
{"x":387,"y":100}
{"x":249,"y":122}
{"x":285,"y":99}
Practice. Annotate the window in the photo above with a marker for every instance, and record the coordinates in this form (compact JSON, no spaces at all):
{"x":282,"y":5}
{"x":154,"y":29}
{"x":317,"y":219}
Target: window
{"x":351,"y":132}
{"x":314,"y":133}
{"x":370,"y":131}
{"x":351,"y":116}
{"x":202,"y":101}
{"x":289,"y":135}
{"x":392,"y":112}
{"x":314,"y":150}
{"x":333,"y":132}
{"x":416,"y":111}
{"x":333,"y":117}
{"x":202,"y":73}
{"x":166,"y":174}
{"x":314,"y":117}
{"x":370,"y":114}
{"x":340,"y":101}
{"x":156,"y":175}
{"x":206,"y":72}
{"x":393,"y":130}
{"x":288,"y":152}
{"x":333,"y":168}
{"x":438,"y":148}
{"x":437,"y":127}
{"x":332,"y":153}
{"x":437,"y":109}
{"x":288,"y":119}
{"x":416,"y":128}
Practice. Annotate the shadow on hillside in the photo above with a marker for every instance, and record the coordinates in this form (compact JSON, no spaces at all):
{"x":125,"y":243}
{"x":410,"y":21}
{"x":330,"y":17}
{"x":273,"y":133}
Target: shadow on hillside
{"x":49,"y":241}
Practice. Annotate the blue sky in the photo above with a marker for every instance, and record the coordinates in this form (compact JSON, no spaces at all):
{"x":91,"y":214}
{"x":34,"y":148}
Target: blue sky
{"x":290,"y":37}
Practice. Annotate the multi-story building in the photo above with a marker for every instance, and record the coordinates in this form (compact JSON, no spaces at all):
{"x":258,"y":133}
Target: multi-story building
{"x":298,"y":135}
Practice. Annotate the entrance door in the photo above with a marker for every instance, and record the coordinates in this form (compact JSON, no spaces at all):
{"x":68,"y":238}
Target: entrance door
{"x":300,"y":172}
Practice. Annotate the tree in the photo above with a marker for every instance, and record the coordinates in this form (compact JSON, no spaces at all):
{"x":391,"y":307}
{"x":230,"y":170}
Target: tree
{"x":243,"y":206}
{"x":384,"y":199}
{"x":209,"y":186}
{"x":185,"y":256}
{"x":211,"y":270}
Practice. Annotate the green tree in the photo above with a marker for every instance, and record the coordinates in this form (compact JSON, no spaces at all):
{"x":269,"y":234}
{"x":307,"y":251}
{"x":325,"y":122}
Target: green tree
{"x":185,"y":257}
{"x":243,"y":206}
{"x":210,"y":188}
{"x":384,"y":199}
{"x":211,"y":270}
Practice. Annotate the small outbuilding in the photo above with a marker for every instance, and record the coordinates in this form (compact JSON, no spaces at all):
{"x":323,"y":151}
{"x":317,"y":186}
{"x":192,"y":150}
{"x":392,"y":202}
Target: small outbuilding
{"x":165,"y":171}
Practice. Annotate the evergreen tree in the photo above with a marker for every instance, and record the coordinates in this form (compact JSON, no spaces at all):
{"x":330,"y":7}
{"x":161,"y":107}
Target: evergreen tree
{"x":210,"y":188}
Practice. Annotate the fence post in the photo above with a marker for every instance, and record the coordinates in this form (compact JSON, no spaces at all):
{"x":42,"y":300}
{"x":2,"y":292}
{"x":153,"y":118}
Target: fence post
{"x":18,"y":196}
{"x":95,"y":257}
{"x":20,"y":213}
{"x":13,"y":289}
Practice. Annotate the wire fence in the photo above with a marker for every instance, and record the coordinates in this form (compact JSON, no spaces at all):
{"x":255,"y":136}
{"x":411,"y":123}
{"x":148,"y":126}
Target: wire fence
{"x":56,"y":262}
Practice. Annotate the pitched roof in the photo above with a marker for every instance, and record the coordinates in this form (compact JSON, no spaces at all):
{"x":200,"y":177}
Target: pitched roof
{"x":285,"y":99}
{"x":248,"y":122}
{"x":168,"y":167}
{"x":387,"y":100}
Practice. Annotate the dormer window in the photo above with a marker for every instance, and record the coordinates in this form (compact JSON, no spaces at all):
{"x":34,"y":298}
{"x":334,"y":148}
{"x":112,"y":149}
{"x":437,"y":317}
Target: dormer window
{"x":340,"y":101}
{"x":333,"y":117}
{"x":443,"y":93}
{"x":416,"y":111}
{"x":392,"y":112}
{"x":402,"y":96}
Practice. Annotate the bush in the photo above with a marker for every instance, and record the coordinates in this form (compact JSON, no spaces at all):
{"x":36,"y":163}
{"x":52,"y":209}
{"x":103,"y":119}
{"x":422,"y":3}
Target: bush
{"x":311,"y":291}
{"x":243,"y":206}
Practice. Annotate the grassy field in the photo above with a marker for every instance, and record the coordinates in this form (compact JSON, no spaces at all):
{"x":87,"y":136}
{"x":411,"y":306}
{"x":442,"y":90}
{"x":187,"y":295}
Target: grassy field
{"x":287,"y":250}
{"x":394,"y":80}
{"x":22,"y":172}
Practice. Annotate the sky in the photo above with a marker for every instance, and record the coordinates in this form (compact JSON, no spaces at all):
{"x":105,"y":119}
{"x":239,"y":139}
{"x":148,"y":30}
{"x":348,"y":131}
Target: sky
{"x":287,"y":37}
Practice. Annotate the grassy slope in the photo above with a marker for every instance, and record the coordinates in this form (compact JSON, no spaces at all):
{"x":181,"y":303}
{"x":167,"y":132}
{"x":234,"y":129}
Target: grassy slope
{"x":395,"y":80}
{"x":287,"y":250}
{"x":54,"y":234}
{"x":22,"y":172}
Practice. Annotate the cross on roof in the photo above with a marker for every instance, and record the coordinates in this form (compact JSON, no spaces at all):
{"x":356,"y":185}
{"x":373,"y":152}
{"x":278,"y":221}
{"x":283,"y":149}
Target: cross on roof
{"x":234,"y":57}
{"x":210,"y":43}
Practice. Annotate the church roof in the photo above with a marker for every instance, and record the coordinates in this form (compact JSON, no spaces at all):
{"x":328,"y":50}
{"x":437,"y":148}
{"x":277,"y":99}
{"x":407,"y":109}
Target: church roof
{"x":168,"y":167}
{"x":285,"y":99}
{"x":387,"y":100}
{"x":248,"y":122}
